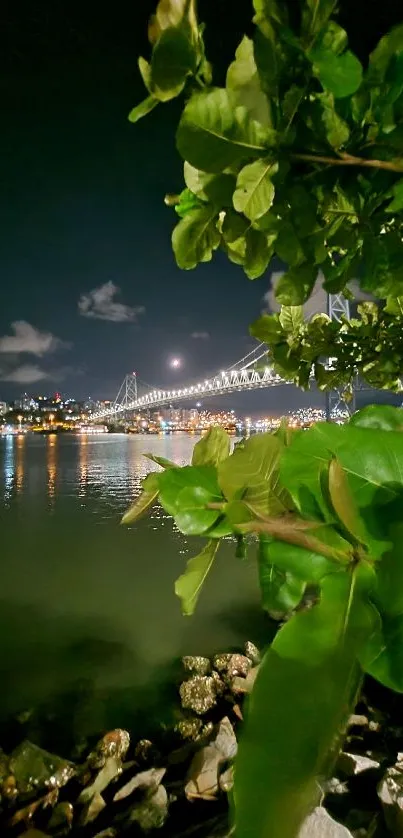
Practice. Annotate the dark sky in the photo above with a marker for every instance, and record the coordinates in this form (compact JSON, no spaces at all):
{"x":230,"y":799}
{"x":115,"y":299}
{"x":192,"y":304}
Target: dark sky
{"x":82,"y":205}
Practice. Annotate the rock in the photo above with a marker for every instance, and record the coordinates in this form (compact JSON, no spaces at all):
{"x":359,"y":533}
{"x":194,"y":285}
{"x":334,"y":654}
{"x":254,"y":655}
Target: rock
{"x":390,"y":793}
{"x":232,"y":665}
{"x":357,"y":720}
{"x":320,"y":825}
{"x":352,"y":764}
{"x":92,"y":809}
{"x":152,"y":812}
{"x":146,"y":752}
{"x":199,"y":693}
{"x":26,"y":814}
{"x":196,"y":664}
{"x":107,"y":833}
{"x":252,"y":652}
{"x":203,"y":778}
{"x":62,"y":816}
{"x":225,"y":741}
{"x":335,"y":786}
{"x":34,"y":768}
{"x":189,"y":728}
{"x":35,"y":833}
{"x":226,"y":780}
{"x":111,"y":769}
{"x":113,"y":744}
{"x":220,"y":662}
{"x":148,"y":780}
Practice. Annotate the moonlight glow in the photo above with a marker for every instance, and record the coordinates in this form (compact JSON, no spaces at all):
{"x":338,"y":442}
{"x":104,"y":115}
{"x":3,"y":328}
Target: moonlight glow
{"x":175,"y":363}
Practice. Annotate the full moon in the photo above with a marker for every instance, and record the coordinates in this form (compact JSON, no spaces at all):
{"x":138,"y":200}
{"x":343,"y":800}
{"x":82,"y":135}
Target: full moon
{"x":175,"y":363}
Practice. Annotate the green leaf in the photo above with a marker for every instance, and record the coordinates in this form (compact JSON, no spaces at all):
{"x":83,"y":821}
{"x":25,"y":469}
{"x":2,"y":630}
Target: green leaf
{"x":145,"y":107}
{"x":173,"y":59}
{"x":344,"y":503}
{"x":397,"y":203}
{"x":332,"y":38}
{"x":161,"y":461}
{"x":305,"y":564}
{"x":291,"y":318}
{"x":253,"y":469}
{"x":192,"y":517}
{"x":288,"y":245}
{"x":281,"y":591}
{"x":340,"y":74}
{"x":383,"y":656}
{"x":212,"y":449}
{"x":295,"y":286}
{"x":372,"y":461}
{"x":268,"y":329}
{"x":289,"y":740}
{"x":258,"y":253}
{"x":173,"y":480}
{"x":254,"y":192}
{"x":337,"y":130}
{"x":189,"y":585}
{"x":390,"y":45}
{"x":243,"y":83}
{"x":316,"y":14}
{"x":196,"y":237}
{"x":213,"y":136}
{"x":171,"y":13}
{"x":216,"y":189}
{"x":379,"y":416}
{"x":149,"y":495}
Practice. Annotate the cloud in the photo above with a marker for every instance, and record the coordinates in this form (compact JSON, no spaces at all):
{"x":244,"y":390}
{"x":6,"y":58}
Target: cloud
{"x":27,"y":338}
{"x":200,"y":335}
{"x":100,"y":305}
{"x":24,"y":374}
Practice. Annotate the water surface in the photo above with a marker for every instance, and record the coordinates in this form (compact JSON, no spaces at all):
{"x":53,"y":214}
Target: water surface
{"x":88,"y":605}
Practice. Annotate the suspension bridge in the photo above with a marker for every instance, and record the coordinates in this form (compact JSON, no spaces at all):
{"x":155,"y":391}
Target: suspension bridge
{"x":252,"y":372}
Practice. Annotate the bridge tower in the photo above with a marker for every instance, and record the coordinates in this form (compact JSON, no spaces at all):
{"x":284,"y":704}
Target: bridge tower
{"x":337,"y":306}
{"x":128,"y":391}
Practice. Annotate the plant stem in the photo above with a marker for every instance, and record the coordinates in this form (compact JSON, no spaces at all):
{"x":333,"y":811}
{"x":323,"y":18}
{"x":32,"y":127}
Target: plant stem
{"x":348,"y":160}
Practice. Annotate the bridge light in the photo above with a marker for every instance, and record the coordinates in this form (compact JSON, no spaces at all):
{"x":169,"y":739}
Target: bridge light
{"x":223,"y":373}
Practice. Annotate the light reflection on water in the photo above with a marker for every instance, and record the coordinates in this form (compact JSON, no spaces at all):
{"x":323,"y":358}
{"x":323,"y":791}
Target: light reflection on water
{"x":84,"y":598}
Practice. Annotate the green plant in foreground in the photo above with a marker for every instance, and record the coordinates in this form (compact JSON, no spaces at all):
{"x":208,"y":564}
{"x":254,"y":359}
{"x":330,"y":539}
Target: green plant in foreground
{"x":299,"y":157}
{"x":325,"y":505}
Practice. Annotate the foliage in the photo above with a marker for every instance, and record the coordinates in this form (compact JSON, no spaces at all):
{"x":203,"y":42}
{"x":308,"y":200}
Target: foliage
{"x":325,"y":507}
{"x":299,"y":156}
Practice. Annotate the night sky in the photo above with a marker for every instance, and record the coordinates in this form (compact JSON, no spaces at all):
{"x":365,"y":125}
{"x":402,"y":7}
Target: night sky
{"x":81,"y":209}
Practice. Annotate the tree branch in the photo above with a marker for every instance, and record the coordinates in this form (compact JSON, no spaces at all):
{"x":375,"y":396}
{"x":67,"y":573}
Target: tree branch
{"x":348,"y":160}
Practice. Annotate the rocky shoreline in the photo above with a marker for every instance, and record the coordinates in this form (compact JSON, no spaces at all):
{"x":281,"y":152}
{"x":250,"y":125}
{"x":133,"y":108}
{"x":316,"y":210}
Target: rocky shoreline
{"x":180,"y":784}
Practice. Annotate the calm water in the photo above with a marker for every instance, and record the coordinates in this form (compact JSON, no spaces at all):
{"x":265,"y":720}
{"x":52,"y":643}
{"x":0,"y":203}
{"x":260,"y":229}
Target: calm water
{"x":88,"y":605}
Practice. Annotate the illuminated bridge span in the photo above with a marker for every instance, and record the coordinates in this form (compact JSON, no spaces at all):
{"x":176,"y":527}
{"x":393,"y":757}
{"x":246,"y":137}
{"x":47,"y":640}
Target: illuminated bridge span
{"x":250,"y":373}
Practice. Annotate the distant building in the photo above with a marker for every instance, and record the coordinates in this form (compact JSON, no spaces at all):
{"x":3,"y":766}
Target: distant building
{"x":3,"y":408}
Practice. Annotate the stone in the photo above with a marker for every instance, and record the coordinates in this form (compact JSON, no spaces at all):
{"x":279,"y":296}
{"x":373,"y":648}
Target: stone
{"x":252,"y":652}
{"x":390,"y":793}
{"x":226,"y":780}
{"x":358,"y":720}
{"x":145,"y":751}
{"x":92,"y":809}
{"x":335,"y":786}
{"x":152,"y":812}
{"x":113,"y":744}
{"x":320,"y":825}
{"x":203,"y":778}
{"x":199,"y":693}
{"x":220,"y":662}
{"x":34,"y":768}
{"x":353,"y":764}
{"x":189,"y":728}
{"x":145,"y":780}
{"x":225,"y":741}
{"x":196,"y":664}
{"x":62,"y":816}
{"x":111,"y":769}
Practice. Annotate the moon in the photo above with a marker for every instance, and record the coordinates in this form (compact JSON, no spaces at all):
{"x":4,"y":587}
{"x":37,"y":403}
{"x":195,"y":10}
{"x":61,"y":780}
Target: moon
{"x":175,"y":363}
